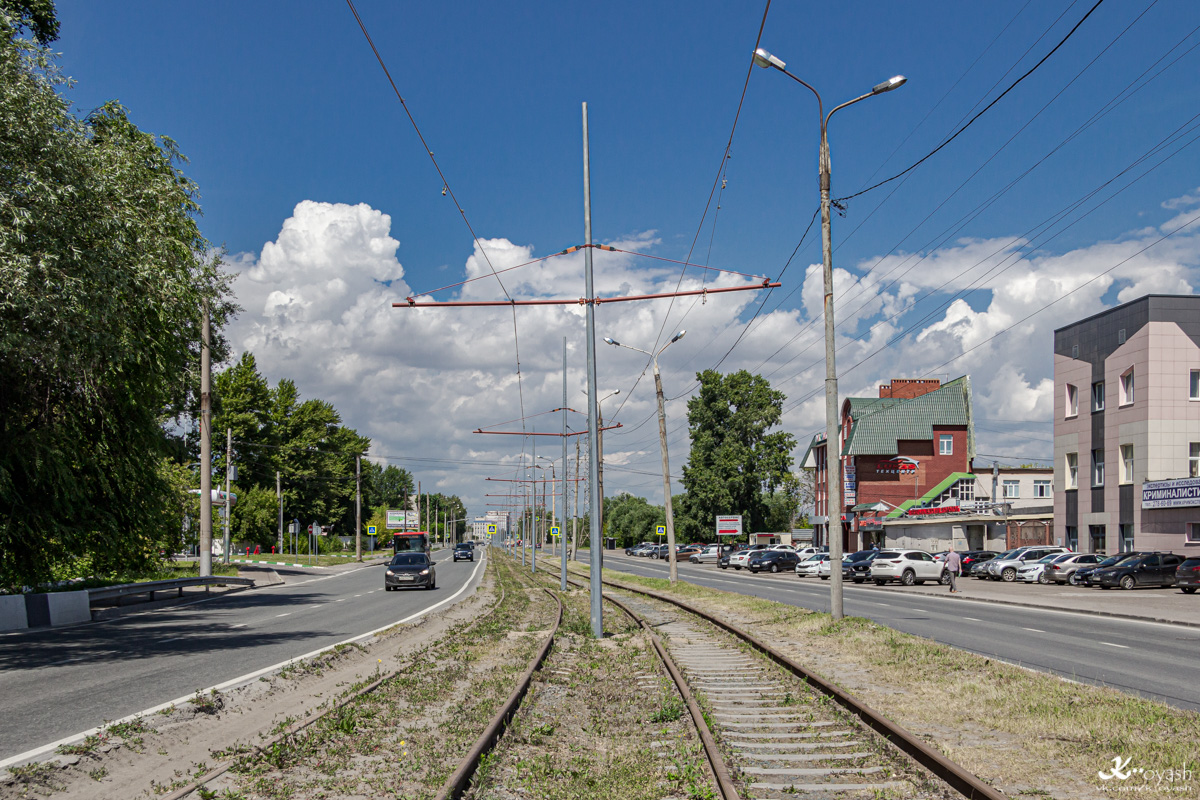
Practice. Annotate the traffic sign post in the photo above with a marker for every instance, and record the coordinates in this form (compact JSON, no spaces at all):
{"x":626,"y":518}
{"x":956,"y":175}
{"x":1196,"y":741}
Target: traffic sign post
{"x":729,"y":525}
{"x":660,"y":530}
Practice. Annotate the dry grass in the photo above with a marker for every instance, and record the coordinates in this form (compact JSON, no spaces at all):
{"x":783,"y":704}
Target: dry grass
{"x":1026,"y":732}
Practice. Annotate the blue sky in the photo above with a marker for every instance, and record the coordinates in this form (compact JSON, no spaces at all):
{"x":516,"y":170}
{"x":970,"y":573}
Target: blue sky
{"x":281,"y":104}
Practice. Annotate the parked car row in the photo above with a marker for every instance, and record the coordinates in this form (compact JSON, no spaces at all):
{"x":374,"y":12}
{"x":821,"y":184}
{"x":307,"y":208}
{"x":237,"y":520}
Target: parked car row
{"x":1058,"y":565}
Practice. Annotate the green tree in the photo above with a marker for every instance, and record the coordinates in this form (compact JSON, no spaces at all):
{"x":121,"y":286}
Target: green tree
{"x":103,"y":273}
{"x":735,"y":461}
{"x":35,"y":15}
{"x":387,"y":487}
{"x":630,"y":519}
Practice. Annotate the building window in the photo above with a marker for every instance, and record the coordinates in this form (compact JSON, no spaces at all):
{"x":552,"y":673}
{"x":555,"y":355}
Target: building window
{"x":1194,"y":460}
{"x":1126,"y":388}
{"x":1074,"y":351}
{"x":1126,"y":463}
{"x":1072,"y":537}
{"x":1099,"y":538}
{"x":1012,"y":490}
{"x":1126,"y":538}
{"x":1121,"y":336}
{"x":1097,"y":468}
{"x":1098,"y":396}
{"x":1072,"y":470}
{"x":1041,"y":488}
{"x":946,"y":444}
{"x":1193,"y":532}
{"x":1194,"y":392}
{"x":1072,"y":400}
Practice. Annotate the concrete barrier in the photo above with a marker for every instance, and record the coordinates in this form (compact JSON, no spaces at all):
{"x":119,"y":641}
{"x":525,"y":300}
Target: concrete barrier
{"x":68,"y":608}
{"x":12,"y":613}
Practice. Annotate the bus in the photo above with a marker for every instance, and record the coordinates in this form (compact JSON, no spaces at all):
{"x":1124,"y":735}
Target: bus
{"x":411,"y":542}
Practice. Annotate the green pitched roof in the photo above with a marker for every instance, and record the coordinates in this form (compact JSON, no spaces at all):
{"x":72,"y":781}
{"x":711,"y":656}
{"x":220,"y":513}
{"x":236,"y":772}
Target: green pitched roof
{"x":878,"y":424}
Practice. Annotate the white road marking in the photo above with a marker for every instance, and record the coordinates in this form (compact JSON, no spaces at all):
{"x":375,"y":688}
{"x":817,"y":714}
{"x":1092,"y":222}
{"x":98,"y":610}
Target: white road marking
{"x":288,"y":614}
{"x":52,"y":746}
{"x":1035,"y":630}
{"x":239,"y":625}
{"x":172,"y":639}
{"x":973,"y":619}
{"x":340,"y":600}
{"x":1110,"y":644}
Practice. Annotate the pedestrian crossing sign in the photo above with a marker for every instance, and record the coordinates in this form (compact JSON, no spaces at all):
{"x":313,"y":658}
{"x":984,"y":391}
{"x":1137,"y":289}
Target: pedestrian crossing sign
{"x":370,"y":530}
{"x":555,"y":530}
{"x":491,"y":527}
{"x":661,"y":530}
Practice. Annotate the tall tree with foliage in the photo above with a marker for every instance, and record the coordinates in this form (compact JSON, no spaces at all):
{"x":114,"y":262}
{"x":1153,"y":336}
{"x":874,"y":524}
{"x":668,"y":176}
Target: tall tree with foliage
{"x":103,"y":272}
{"x":735,"y":461}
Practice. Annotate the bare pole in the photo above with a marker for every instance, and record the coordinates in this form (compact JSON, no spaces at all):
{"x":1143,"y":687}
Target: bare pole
{"x":205,"y":445}
{"x":562,"y":529}
{"x":666,"y":470}
{"x":228,"y":508}
{"x":833,"y":460}
{"x":596,"y":502}
{"x":358,"y":507}
{"x":279,"y":496}
{"x":575,"y":517}
{"x":533,"y":527}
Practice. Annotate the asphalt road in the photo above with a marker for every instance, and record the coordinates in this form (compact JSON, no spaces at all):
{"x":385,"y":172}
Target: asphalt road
{"x":56,"y":683}
{"x":1147,"y":658}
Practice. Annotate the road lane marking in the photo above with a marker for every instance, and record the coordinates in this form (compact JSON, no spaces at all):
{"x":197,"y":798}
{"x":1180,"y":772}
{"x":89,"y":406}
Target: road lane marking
{"x":238,"y":681}
{"x":1035,"y":630}
{"x":973,"y":619}
{"x":340,"y":600}
{"x":1110,"y":644}
{"x":358,"y":595}
{"x":277,"y":616}
{"x":239,"y":625}
{"x":172,"y":639}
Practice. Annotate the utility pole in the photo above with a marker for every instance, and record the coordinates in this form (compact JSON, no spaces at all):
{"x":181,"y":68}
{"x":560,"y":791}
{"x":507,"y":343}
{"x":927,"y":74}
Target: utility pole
{"x":533,"y":527}
{"x":358,"y":507}
{"x":596,"y":499}
{"x":228,"y":469}
{"x":666,"y":470}
{"x":418,"y":509}
{"x":562,"y":529}
{"x":205,"y":445}
{"x":575,"y":516}
{"x":279,"y":495}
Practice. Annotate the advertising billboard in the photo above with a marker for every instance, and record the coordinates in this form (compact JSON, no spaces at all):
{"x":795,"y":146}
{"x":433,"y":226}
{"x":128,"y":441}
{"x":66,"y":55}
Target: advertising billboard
{"x":1177,"y":493}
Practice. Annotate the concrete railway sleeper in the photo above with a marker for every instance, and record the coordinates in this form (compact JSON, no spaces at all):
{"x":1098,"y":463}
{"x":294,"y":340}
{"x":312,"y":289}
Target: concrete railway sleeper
{"x":788,"y":732}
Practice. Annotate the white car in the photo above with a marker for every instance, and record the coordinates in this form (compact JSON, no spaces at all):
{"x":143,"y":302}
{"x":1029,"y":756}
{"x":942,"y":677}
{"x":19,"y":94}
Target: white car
{"x":805,"y":552}
{"x":786,"y":547}
{"x":1029,"y":573}
{"x":712,"y":554}
{"x":742,"y":557}
{"x":808,"y":566}
{"x":907,"y":567}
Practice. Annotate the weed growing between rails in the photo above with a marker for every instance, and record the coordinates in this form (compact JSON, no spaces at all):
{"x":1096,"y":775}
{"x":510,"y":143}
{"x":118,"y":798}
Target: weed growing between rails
{"x":1020,"y":730}
{"x":602,"y":720}
{"x":404,"y":738}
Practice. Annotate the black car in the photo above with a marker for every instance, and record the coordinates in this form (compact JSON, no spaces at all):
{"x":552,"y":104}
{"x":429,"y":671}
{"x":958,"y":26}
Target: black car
{"x":1187,"y":575}
{"x":972,"y":557}
{"x":464,"y":552}
{"x":1083,"y":575}
{"x":773,"y":561}
{"x":408,"y":570}
{"x":1145,"y":569}
{"x":856,"y":565}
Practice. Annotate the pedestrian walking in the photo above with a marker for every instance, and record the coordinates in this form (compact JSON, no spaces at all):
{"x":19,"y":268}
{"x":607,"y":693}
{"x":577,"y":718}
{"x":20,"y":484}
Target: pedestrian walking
{"x":954,"y":567}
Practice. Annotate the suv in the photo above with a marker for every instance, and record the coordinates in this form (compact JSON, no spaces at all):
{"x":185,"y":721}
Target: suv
{"x":856,"y":565}
{"x":464,"y":550}
{"x":1146,"y":569}
{"x":907,"y":567}
{"x":1004,"y":566}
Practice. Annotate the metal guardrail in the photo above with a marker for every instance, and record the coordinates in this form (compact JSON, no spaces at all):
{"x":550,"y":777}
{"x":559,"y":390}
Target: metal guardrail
{"x":150,"y":587}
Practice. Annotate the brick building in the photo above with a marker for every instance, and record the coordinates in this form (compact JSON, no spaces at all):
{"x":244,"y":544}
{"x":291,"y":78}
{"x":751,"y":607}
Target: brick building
{"x":910,"y":448}
{"x":1127,"y":427}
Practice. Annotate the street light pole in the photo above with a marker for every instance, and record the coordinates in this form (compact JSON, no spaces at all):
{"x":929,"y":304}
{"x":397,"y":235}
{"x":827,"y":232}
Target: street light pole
{"x":833,"y":466}
{"x":595,"y":500}
{"x":662,"y":439}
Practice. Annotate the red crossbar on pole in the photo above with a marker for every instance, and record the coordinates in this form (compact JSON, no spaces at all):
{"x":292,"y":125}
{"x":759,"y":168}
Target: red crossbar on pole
{"x":582,"y":301}
{"x":530,"y":433}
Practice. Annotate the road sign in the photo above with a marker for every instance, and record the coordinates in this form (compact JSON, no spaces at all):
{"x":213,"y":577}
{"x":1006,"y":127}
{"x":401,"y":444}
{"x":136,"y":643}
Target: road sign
{"x":491,"y":527}
{"x":314,"y":528}
{"x":371,"y":530}
{"x":555,"y":530}
{"x":729,"y":526}
{"x":660,"y":530}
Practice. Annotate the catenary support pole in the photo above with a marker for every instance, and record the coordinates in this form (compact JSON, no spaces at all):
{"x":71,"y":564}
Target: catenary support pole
{"x":833,"y":450}
{"x":205,"y":445}
{"x":279,"y":496}
{"x":596,"y":502}
{"x":666,"y":470}
{"x":358,"y":507}
{"x":228,"y":507}
{"x":562,"y":528}
{"x":575,"y":516}
{"x":534,"y":526}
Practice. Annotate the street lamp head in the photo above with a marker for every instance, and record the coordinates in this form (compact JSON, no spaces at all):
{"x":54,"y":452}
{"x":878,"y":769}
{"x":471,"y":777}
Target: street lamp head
{"x":677,"y":337}
{"x":612,"y":341}
{"x":890,"y":84}
{"x":764,"y":59}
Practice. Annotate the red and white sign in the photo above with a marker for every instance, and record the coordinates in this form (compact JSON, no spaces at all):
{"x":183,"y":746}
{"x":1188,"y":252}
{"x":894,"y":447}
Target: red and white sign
{"x":926,"y":512}
{"x":898,"y":465}
{"x":729,"y":526}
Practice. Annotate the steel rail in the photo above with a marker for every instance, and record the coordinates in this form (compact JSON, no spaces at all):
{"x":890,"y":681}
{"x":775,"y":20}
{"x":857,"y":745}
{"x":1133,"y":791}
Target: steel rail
{"x":296,"y":727}
{"x":965,"y":782}
{"x":460,"y":780}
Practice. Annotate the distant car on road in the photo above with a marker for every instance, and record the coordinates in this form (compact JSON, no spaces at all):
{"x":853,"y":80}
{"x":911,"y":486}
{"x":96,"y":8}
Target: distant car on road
{"x":632,"y":550}
{"x":1004,"y":567}
{"x":808,"y":567}
{"x":710,"y":554}
{"x":464,"y":552}
{"x":410,"y":570}
{"x":906,"y":566}
{"x":686,"y":552}
{"x":742,"y":557}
